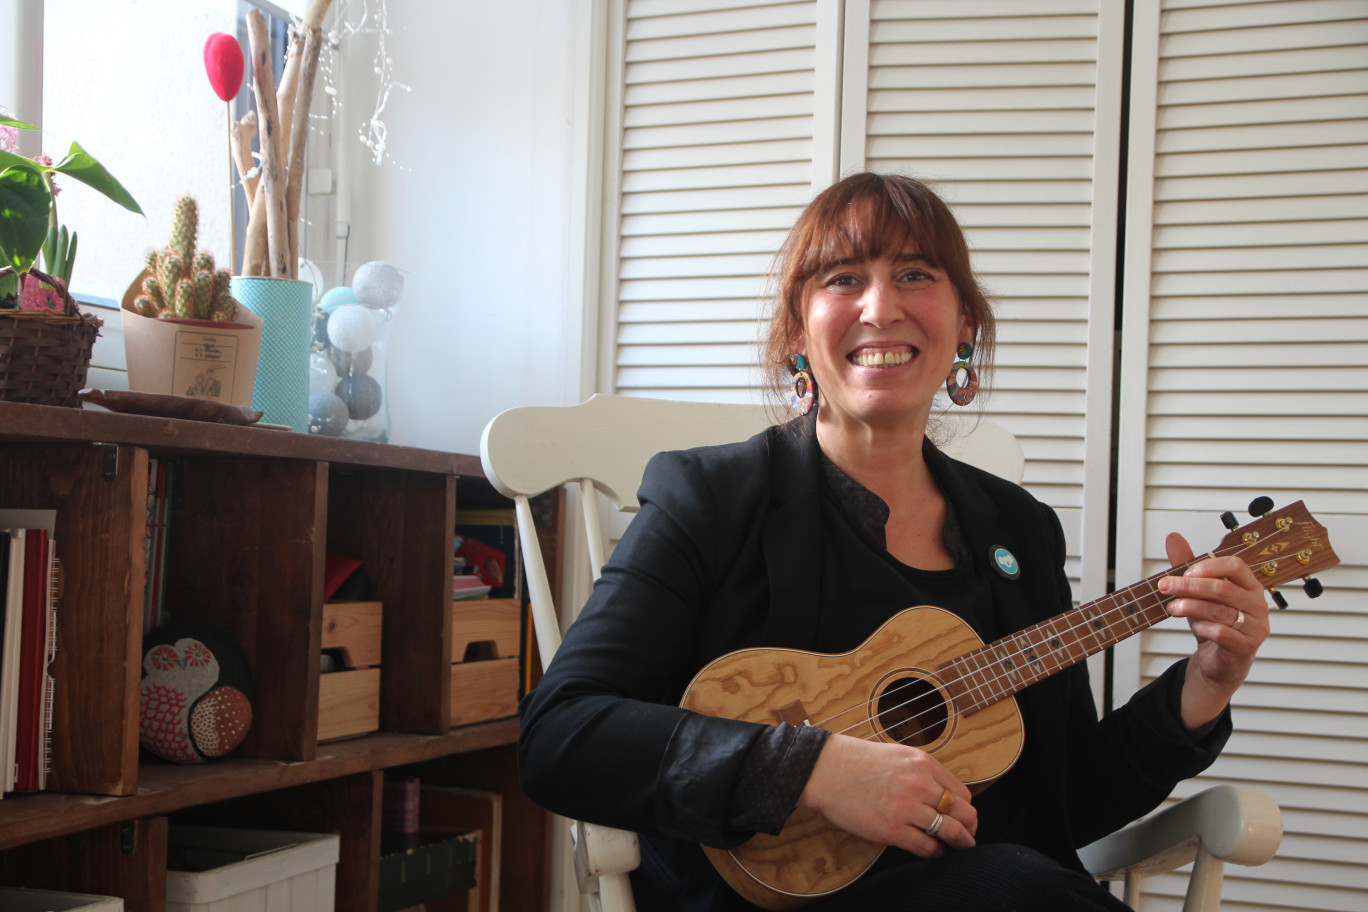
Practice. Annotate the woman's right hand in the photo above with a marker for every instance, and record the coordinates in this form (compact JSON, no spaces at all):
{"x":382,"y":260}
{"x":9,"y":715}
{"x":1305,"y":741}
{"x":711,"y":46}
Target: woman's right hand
{"x":887,"y":793}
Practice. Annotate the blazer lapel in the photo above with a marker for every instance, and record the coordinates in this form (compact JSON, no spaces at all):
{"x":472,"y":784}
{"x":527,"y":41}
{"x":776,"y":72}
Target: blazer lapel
{"x":985,"y":530}
{"x":792,"y":536}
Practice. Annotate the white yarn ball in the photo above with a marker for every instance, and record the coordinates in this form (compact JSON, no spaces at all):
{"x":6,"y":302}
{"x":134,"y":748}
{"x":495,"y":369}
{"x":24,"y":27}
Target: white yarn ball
{"x":353,"y":327}
{"x":378,"y":285}
{"x":322,"y":375}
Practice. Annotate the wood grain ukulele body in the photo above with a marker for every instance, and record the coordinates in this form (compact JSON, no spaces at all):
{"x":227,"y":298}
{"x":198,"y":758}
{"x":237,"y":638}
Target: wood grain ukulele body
{"x":886,"y":690}
{"x":925,"y":679}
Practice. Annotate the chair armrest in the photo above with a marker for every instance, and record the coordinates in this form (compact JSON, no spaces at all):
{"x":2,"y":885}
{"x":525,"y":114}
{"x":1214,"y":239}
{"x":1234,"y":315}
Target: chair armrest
{"x":601,"y":851}
{"x":1238,"y":825}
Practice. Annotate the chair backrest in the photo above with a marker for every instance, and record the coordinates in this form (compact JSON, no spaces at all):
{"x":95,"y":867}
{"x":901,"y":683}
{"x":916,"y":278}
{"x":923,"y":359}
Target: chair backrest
{"x":604,"y":443}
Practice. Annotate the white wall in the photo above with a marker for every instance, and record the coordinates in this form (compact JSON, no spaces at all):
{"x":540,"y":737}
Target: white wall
{"x":476,"y":206}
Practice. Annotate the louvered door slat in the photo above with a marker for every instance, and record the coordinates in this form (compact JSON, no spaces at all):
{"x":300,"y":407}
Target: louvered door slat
{"x":1245,"y":364}
{"x":718,"y":117}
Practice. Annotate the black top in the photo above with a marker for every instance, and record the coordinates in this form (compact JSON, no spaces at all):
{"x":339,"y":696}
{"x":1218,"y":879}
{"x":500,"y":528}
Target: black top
{"x":735,"y":547}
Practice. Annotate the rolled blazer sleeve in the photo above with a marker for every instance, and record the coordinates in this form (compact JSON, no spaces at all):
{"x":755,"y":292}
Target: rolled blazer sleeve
{"x":603,"y":738}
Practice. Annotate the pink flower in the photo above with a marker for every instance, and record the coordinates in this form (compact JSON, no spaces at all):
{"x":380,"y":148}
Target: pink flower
{"x":9,"y":136}
{"x":35,"y":294}
{"x":47,"y":162}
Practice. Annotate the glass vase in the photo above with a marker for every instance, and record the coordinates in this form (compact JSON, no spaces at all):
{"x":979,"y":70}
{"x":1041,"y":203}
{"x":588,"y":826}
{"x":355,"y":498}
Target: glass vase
{"x":353,"y":313}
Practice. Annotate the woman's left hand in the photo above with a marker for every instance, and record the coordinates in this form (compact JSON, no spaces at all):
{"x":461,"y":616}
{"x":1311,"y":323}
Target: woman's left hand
{"x":1228,"y":613}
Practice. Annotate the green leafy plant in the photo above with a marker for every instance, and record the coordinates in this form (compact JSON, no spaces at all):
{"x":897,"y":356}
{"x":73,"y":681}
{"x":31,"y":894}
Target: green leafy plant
{"x":28,"y":217}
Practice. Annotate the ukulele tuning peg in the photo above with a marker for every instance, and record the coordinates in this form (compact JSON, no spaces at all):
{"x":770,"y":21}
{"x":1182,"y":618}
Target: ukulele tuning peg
{"x":1229,"y":521}
{"x":1313,"y":587}
{"x":1260,"y":505}
{"x":1278,"y":599}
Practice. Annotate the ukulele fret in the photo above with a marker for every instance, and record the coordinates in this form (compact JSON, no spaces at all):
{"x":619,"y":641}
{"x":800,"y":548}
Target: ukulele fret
{"x":985,"y":676}
{"x":975,"y":677}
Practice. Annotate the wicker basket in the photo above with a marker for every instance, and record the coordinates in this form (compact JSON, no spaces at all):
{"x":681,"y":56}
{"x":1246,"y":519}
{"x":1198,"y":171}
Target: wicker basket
{"x":44,"y":355}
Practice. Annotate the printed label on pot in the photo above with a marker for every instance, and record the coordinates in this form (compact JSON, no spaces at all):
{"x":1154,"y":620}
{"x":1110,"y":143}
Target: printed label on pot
{"x":205,"y":365}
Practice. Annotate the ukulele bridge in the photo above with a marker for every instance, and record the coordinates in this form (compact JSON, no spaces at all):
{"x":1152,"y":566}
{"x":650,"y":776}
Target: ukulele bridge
{"x":794,"y":714}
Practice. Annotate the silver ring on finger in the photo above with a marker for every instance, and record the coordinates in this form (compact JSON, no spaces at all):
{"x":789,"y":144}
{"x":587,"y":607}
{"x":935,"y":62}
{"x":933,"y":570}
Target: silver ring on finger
{"x":1239,"y":620}
{"x":935,"y":826}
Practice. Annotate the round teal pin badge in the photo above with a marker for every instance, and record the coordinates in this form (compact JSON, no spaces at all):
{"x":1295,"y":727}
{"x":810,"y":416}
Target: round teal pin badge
{"x":1005,"y":562}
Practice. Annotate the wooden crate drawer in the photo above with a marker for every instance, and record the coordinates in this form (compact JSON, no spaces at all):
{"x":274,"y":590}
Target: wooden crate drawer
{"x":348,"y":703}
{"x":483,"y":690}
{"x":353,"y":628}
{"x":485,"y":629}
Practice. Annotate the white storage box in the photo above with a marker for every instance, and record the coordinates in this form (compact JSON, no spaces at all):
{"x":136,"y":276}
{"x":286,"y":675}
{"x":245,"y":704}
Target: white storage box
{"x":257,"y":870}
{"x":20,"y":899}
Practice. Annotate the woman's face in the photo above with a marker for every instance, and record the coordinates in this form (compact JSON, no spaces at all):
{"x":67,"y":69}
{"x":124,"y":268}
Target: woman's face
{"x":880,"y":336}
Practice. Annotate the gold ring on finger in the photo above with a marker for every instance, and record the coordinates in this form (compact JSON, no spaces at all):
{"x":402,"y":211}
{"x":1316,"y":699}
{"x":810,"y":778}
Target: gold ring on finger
{"x":1239,"y":620}
{"x":947,"y":801}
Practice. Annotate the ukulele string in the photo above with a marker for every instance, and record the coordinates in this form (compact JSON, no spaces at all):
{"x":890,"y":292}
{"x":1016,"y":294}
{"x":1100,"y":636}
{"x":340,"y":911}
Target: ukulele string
{"x":999,"y":677}
{"x":964,"y":672}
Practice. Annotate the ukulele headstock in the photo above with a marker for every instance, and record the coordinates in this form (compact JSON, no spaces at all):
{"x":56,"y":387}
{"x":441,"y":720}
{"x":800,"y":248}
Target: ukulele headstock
{"x":1281,"y":545}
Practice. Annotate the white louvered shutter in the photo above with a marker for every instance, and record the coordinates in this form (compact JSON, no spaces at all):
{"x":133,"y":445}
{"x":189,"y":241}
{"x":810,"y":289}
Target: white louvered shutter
{"x":1245,"y":372}
{"x":727,"y":125}
{"x":1011,"y":109}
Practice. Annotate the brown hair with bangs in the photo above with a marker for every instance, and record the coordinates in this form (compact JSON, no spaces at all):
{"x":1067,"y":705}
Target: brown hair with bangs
{"x":866,"y":216}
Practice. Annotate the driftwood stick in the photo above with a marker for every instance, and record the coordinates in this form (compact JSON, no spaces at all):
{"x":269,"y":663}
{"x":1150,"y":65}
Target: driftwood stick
{"x":255,"y":253}
{"x":288,"y":92}
{"x":299,"y":137}
{"x":242,"y":132}
{"x":313,"y":16}
{"x":288,"y":88}
{"x":273,"y":177}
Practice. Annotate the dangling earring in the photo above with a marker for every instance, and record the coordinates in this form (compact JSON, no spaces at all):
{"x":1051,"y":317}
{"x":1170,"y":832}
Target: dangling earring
{"x":962,"y":395}
{"x":803,"y":393}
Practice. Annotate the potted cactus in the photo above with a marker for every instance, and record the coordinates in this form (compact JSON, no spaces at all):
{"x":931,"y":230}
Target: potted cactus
{"x":180,"y":281}
{"x":184,"y":333}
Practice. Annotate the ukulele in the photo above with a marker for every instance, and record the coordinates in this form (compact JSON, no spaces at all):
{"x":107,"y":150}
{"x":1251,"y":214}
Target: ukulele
{"x":925,"y":679}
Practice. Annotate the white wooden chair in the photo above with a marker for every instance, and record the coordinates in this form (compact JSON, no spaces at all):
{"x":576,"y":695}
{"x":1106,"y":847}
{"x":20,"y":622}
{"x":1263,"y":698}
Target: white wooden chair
{"x":603,"y":444}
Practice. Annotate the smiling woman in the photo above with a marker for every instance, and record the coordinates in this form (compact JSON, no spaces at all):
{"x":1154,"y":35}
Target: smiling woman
{"x":810,"y":537}
{"x":894,"y":213}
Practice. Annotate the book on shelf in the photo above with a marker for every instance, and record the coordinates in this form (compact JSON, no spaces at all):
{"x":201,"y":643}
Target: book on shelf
{"x":443,"y":808}
{"x":34,"y":648}
{"x":11,"y":622}
{"x":159,"y":477}
{"x":487,"y":546}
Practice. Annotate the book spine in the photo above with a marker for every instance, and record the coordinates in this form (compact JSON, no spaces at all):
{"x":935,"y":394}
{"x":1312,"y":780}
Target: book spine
{"x":28,"y":741}
{"x":49,"y":653}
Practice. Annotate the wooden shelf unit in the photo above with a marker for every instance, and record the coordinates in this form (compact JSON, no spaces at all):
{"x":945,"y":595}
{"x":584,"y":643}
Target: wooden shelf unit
{"x":254,"y":512}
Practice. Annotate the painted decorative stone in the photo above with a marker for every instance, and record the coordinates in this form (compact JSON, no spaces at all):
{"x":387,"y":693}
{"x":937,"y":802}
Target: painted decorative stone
{"x":196,"y":694}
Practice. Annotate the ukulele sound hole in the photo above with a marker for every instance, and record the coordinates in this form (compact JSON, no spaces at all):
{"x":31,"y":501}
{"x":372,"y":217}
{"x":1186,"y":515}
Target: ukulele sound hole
{"x":912,"y":711}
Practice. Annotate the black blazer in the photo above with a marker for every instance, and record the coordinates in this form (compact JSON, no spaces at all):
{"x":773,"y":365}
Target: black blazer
{"x":723,"y":556}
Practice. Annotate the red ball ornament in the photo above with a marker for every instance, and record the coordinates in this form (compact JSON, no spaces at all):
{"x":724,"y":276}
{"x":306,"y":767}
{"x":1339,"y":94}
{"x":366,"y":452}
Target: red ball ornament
{"x":224,"y":63}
